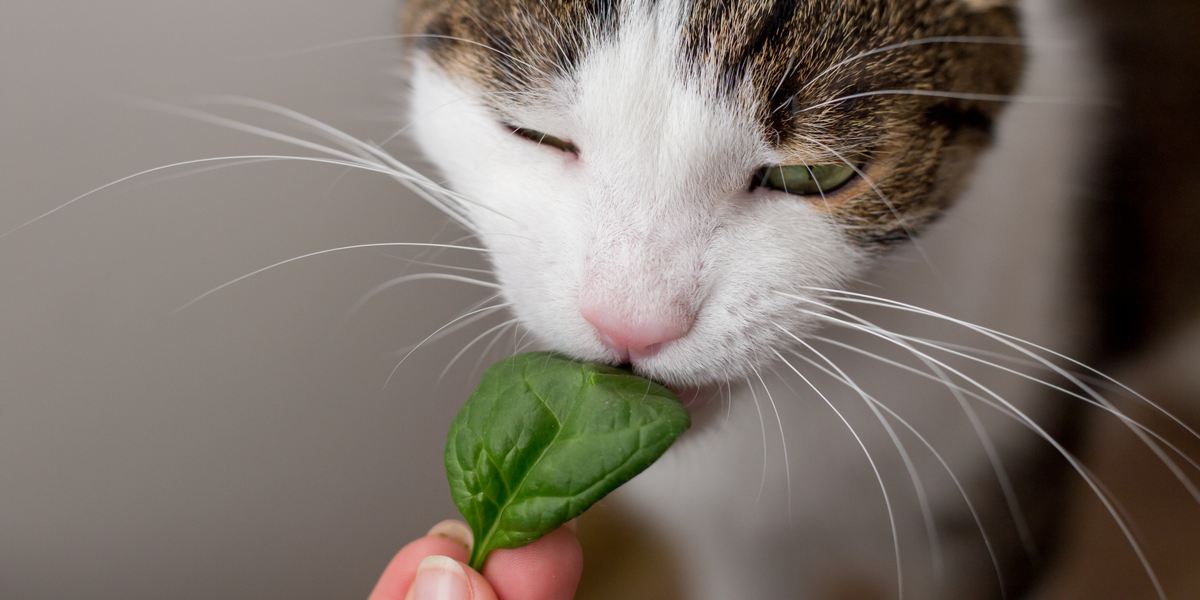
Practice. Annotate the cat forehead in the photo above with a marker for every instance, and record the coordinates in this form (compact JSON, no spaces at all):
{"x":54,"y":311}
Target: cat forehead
{"x":777,"y":58}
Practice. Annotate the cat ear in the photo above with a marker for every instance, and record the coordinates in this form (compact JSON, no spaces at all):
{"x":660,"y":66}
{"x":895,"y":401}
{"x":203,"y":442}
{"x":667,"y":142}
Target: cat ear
{"x":982,"y":5}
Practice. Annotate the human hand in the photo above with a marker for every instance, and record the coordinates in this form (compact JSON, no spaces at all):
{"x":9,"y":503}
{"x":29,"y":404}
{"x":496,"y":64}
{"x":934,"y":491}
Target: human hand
{"x":433,"y":568}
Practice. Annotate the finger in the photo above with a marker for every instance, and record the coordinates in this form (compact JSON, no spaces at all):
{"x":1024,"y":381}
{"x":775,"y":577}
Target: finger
{"x":443,"y":578}
{"x":448,"y":538}
{"x":548,"y":569}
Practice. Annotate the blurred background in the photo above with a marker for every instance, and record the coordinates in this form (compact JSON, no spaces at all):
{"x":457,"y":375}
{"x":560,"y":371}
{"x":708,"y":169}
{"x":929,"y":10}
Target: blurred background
{"x":244,"y":448}
{"x":247,"y":447}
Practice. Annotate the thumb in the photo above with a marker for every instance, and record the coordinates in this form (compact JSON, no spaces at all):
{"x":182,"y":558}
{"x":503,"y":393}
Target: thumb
{"x":548,"y":569}
{"x":443,"y":578}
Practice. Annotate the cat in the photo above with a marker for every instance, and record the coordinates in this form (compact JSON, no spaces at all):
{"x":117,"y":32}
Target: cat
{"x":748,"y":199}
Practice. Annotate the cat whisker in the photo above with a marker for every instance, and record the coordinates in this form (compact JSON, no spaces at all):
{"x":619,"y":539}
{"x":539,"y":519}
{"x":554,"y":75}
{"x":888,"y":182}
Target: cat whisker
{"x":415,"y":182}
{"x":878,"y":192}
{"x":1013,"y":504}
{"x":728,"y":390}
{"x":337,"y":135}
{"x":787,"y":73}
{"x":555,"y":35}
{"x":433,"y":252}
{"x":1171,"y":465}
{"x":256,"y":130}
{"x":424,"y":263}
{"x":1115,"y":413}
{"x":487,"y":350}
{"x":1018,"y":361}
{"x":1101,"y":495}
{"x":296,"y":259}
{"x":471,"y":344}
{"x":874,"y":467}
{"x":1001,"y":357}
{"x":824,"y":198}
{"x":456,"y":327}
{"x":196,"y":172}
{"x":933,"y":451}
{"x":982,"y":40}
{"x":1020,"y":521}
{"x":473,"y":315}
{"x":398,"y":281}
{"x":239,"y":159}
{"x":905,"y":457}
{"x":399,"y":132}
{"x":1106,"y":407}
{"x":1147,"y":436}
{"x":787,"y":464}
{"x":762,"y":422}
{"x":974,"y":97}
{"x":523,"y":342}
{"x":529,"y":71}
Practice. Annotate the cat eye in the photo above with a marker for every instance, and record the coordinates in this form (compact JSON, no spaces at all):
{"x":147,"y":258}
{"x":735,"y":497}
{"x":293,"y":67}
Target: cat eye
{"x":805,"y":180}
{"x":545,"y":139}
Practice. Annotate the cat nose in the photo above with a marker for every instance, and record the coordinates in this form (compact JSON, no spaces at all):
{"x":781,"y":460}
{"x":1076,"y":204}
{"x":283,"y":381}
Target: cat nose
{"x":636,"y":339}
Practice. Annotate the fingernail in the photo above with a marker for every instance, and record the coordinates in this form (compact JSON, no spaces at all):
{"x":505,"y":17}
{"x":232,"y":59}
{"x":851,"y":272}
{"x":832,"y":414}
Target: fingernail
{"x":440,"y":578}
{"x":454,"y":530}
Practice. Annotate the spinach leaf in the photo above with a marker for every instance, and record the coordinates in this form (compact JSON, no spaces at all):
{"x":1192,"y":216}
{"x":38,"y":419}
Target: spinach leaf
{"x":544,"y":438}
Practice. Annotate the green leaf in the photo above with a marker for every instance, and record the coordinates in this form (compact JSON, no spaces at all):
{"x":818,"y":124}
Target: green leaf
{"x":544,"y":438}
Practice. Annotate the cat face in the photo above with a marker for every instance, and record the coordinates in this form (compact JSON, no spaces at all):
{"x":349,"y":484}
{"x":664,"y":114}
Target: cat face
{"x":661,"y":182}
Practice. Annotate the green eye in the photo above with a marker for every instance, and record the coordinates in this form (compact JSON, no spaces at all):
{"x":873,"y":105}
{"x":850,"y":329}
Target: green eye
{"x":806,"y":180}
{"x":545,"y":139}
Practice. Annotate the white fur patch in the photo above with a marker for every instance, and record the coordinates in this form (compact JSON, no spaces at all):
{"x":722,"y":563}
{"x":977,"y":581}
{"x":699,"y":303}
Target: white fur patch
{"x":655,"y":209}
{"x":655,"y":214}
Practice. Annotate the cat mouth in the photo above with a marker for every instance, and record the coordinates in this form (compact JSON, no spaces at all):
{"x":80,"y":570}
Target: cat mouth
{"x":685,"y":394}
{"x":691,"y":397}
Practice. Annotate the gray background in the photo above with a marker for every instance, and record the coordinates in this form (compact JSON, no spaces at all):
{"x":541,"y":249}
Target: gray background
{"x":243,"y":448}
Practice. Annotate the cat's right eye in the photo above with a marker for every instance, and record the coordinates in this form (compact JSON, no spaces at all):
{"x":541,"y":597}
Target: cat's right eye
{"x":805,"y":180}
{"x":544,"y":139}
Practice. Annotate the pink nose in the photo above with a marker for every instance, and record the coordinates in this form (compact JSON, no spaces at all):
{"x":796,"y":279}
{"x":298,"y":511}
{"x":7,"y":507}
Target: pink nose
{"x":635,"y":339}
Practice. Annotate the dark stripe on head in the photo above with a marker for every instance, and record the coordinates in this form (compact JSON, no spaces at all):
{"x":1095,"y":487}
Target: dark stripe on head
{"x":808,"y":72}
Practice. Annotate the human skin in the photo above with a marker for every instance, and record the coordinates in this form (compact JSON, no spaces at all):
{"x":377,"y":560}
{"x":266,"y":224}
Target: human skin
{"x":434,"y":568}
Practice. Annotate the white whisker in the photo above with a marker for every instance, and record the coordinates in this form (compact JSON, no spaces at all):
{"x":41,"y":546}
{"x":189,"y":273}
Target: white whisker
{"x":487,"y":350}
{"x":366,"y":150}
{"x":240,"y":159}
{"x":471,"y":344}
{"x":1024,"y":532}
{"x":1004,"y":339}
{"x":955,"y":387}
{"x":956,"y":96}
{"x":1108,"y":503}
{"x":905,"y":457}
{"x":474,"y":315}
{"x":878,"y":476}
{"x":762,"y":422}
{"x":983,"y":40}
{"x":728,"y":401}
{"x":938,"y":456}
{"x":289,"y":261}
{"x":424,"y":263}
{"x":454,"y":328}
{"x":398,"y":281}
{"x":878,"y":192}
{"x":415,"y":182}
{"x":787,"y":464}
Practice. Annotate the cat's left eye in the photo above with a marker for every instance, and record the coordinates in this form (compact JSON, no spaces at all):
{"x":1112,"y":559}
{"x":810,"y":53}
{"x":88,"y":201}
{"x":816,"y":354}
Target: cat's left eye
{"x":545,"y":139}
{"x":805,"y":180}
